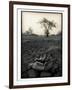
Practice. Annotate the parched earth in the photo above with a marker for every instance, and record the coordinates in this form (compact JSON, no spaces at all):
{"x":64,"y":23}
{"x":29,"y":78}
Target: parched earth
{"x":34,"y":48}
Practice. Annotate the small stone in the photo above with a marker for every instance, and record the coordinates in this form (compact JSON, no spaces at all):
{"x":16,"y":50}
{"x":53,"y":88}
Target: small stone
{"x":38,"y":66}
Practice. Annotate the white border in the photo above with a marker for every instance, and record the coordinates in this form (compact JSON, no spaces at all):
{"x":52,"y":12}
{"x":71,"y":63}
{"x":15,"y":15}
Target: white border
{"x":17,"y":46}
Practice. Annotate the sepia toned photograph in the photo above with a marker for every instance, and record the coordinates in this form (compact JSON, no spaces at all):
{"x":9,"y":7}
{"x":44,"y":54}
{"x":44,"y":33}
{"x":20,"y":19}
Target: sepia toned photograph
{"x":41,"y":44}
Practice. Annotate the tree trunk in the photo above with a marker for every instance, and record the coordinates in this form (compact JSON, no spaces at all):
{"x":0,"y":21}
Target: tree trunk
{"x":47,"y":33}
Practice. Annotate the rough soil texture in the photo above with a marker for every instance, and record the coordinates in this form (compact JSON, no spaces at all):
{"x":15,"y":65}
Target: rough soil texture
{"x":33,"y":47}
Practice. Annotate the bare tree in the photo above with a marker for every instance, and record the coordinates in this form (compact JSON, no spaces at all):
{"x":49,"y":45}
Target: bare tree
{"x":29,"y":31}
{"x":48,"y":25}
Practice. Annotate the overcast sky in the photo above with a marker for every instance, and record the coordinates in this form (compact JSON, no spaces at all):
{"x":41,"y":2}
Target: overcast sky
{"x":31,"y":19}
